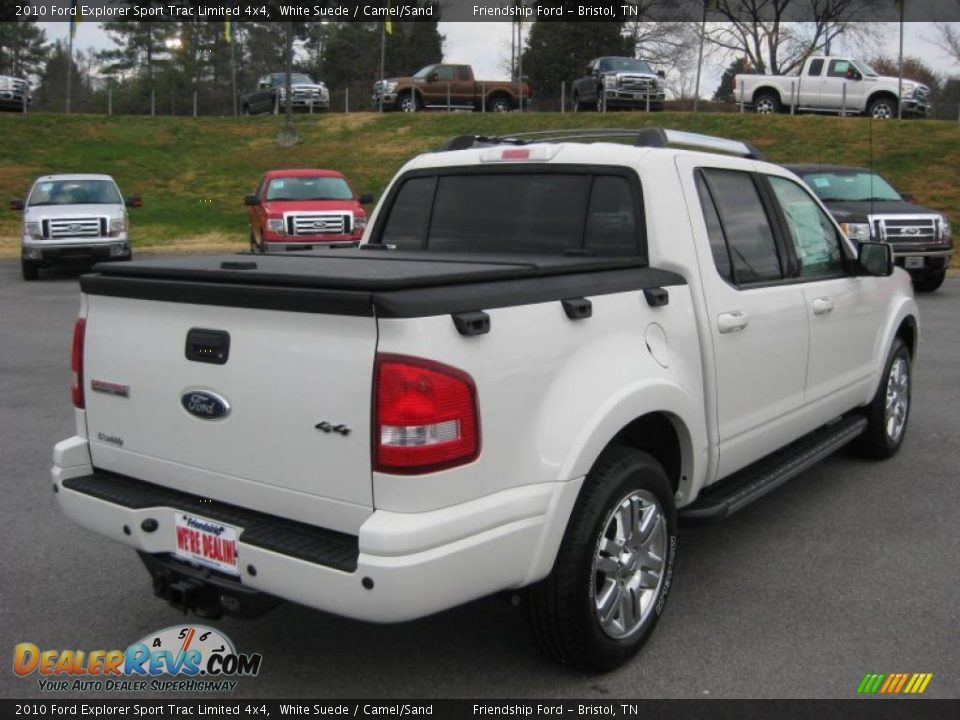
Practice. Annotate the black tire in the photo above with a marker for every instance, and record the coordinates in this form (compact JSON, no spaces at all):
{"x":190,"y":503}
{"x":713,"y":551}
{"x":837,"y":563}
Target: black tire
{"x":767,"y":103}
{"x":562,"y":608}
{"x":30,"y":270}
{"x":245,"y":110}
{"x":253,"y":243}
{"x":600,"y":105}
{"x":500,"y":104}
{"x":883,"y":108}
{"x":577,"y":107}
{"x":877,"y":441}
{"x":929,"y":283}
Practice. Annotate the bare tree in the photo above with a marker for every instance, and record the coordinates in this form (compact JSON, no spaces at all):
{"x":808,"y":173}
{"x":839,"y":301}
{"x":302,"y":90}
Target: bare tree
{"x":948,"y":37}
{"x":776,"y":36}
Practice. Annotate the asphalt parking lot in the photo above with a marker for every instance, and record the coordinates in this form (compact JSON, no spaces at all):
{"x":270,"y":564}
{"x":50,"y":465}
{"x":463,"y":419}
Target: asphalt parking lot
{"x":851,"y":568}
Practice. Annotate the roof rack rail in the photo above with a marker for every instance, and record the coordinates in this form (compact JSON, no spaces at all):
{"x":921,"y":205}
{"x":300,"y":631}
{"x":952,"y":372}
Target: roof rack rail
{"x":642,"y":137}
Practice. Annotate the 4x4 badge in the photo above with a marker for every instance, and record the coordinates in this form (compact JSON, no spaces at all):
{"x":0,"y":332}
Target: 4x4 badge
{"x":328,"y":428}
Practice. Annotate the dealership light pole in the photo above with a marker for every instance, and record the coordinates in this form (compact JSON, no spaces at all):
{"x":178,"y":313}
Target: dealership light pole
{"x":703,"y":32}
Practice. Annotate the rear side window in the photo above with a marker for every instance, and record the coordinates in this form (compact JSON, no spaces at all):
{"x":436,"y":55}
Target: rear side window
{"x":816,"y":66}
{"x":746,"y":228}
{"x":718,"y":243}
{"x":517,"y":212}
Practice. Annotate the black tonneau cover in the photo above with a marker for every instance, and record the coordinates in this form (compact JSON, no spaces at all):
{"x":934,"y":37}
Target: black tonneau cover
{"x":388,"y":283}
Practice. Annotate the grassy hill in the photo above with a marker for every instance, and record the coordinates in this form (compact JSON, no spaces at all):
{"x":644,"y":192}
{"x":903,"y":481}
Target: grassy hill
{"x":193,"y":173}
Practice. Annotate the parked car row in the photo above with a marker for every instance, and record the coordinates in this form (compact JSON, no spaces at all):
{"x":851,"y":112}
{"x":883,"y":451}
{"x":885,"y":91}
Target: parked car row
{"x":82,"y":219}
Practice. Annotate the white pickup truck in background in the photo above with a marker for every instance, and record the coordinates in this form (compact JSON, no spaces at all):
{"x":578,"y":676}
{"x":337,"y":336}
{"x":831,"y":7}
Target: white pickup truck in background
{"x":833,"y":85}
{"x":542,"y":353}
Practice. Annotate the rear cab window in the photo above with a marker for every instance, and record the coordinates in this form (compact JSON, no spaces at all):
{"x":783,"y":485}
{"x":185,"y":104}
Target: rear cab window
{"x":594,"y":211}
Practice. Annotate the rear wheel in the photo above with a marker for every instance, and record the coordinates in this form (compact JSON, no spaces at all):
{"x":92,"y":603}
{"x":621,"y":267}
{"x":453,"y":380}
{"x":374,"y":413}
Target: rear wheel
{"x":253,"y":242}
{"x":889,"y":411}
{"x":613,"y":571}
{"x":929,"y":283}
{"x":30,"y":270}
{"x":500,"y":104}
{"x":245,"y":110}
{"x":766,"y":103}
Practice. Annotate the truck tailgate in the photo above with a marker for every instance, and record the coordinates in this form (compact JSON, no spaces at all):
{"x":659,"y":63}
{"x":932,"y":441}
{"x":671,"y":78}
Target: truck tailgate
{"x":298,"y":389}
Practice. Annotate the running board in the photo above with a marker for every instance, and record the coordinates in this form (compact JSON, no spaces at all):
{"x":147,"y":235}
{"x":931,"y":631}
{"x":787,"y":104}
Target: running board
{"x":756,"y":480}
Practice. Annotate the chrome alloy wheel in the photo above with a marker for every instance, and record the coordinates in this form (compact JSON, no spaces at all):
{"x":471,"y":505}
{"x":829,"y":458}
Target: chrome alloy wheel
{"x":629,"y":563}
{"x":882,"y":110}
{"x":898,"y":399}
{"x":765,"y":106}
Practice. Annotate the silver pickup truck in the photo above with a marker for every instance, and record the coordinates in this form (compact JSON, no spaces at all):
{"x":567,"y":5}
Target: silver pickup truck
{"x":73,"y":220}
{"x":833,"y":85}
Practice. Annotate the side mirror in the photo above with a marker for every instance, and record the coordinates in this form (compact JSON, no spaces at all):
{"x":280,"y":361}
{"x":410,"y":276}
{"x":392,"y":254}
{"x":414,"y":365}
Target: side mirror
{"x":251,"y":200}
{"x":875,"y":259}
{"x":661,"y":74}
{"x":366,"y":199}
{"x":433,"y":77}
{"x":908,"y":197}
{"x":134,"y":201}
{"x":16,"y":204}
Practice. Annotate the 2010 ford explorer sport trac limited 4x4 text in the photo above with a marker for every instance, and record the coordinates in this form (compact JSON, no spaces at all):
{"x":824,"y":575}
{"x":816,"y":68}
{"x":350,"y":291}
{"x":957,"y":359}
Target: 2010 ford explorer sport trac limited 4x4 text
{"x":542,"y":353}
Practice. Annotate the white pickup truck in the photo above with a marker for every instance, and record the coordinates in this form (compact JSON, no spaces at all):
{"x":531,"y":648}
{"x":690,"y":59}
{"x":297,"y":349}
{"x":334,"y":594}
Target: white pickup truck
{"x":833,"y":85}
{"x":540,"y":354}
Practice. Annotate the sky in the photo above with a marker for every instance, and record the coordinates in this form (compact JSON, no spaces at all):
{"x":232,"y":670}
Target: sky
{"x":486,"y":46}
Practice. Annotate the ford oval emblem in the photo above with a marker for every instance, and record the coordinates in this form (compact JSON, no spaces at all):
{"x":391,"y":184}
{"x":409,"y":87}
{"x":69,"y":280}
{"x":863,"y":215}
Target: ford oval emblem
{"x":205,"y":405}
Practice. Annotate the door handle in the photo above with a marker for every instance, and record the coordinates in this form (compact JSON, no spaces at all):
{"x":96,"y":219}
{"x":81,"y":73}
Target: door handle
{"x":822,"y":305}
{"x":730,"y":322}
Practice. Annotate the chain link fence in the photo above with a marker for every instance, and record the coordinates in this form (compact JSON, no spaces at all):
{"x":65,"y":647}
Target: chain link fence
{"x":215,"y":100}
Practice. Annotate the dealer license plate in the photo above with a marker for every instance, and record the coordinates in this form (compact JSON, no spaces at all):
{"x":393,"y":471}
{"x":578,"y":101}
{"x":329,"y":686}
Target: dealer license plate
{"x":207,"y":542}
{"x":912,"y":263}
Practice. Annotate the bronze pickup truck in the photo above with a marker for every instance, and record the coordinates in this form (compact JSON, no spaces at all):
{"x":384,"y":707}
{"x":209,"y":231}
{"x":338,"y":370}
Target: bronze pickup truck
{"x":448,"y":86}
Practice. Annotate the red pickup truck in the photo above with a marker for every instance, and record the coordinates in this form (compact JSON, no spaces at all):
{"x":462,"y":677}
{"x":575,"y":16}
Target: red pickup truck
{"x":293,"y":209}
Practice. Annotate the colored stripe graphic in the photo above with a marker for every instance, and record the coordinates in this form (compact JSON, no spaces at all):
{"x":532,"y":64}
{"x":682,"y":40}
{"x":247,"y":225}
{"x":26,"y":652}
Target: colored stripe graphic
{"x":894,"y":683}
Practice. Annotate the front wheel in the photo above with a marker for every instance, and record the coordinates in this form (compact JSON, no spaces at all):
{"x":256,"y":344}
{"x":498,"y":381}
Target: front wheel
{"x":882,"y":109}
{"x":30,"y":270}
{"x":888,"y":412}
{"x":929,"y":283}
{"x":408,"y":103}
{"x":613,"y":571}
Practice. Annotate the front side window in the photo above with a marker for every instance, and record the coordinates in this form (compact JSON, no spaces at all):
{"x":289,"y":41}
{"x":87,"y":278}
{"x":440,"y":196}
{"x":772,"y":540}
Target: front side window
{"x":839,"y":68}
{"x":813,"y":235}
{"x":444,"y":73}
{"x":746,"y":228}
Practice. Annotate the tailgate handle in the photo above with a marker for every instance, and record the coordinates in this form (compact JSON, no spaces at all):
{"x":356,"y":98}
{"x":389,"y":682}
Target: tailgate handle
{"x":471,"y":324}
{"x":208,"y":346}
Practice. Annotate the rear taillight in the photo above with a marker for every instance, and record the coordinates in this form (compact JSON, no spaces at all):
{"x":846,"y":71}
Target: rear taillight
{"x":76,"y":363}
{"x":425,"y":416}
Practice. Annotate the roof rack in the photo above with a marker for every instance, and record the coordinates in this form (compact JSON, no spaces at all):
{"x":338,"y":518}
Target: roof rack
{"x":642,"y":137}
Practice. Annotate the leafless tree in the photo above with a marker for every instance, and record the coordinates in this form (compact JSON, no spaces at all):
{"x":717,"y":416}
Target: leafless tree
{"x":948,"y":37}
{"x":776,"y":36}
